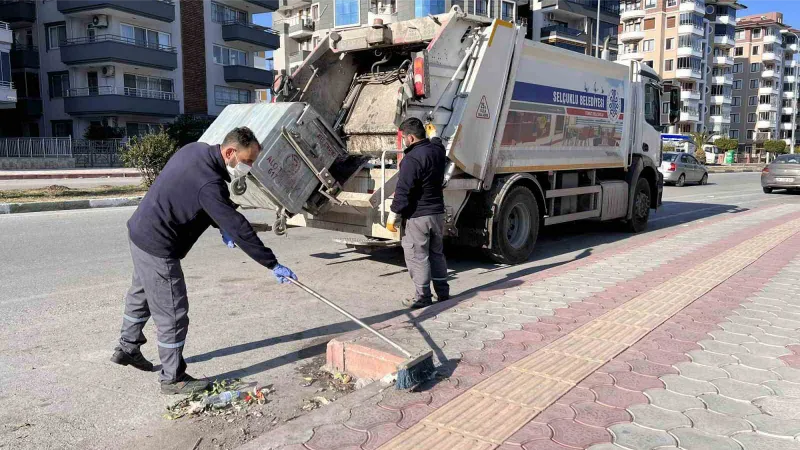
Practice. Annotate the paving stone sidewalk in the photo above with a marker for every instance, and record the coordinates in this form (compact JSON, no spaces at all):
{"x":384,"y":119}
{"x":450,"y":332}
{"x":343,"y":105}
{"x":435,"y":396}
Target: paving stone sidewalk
{"x":480,"y":337}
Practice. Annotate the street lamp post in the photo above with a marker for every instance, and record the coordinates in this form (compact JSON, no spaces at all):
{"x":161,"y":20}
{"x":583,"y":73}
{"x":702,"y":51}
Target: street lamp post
{"x":597,"y":38}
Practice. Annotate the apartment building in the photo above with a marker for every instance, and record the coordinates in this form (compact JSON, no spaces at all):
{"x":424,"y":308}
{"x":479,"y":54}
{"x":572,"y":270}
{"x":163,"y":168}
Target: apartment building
{"x":8,"y":94}
{"x":304,"y":23}
{"x":690,"y":43}
{"x":130,"y":64}
{"x":764,"y":85}
{"x":573,"y":24}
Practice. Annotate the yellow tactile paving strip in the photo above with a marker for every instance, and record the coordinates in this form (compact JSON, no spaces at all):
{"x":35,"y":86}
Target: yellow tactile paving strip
{"x":486,"y":415}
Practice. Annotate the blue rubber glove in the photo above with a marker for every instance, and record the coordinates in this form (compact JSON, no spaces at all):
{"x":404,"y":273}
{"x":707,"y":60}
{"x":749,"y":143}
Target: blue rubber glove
{"x":228,"y":240}
{"x":282,"y":273}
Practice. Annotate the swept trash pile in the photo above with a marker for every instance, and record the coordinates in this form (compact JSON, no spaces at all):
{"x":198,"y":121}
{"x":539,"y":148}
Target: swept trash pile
{"x":225,"y":397}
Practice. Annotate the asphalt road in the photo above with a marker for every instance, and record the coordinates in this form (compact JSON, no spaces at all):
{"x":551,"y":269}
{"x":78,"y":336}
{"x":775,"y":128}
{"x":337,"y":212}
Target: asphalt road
{"x":64,"y":275}
{"x":69,"y":182}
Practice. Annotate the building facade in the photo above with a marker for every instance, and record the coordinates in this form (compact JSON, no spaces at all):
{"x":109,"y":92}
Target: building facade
{"x":573,"y":24}
{"x":8,"y":94}
{"x":304,"y":23}
{"x":764,"y":85}
{"x":689,"y":42}
{"x":130,"y":65}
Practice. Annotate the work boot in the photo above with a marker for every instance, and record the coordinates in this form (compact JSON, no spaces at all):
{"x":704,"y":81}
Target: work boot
{"x":186,"y":386}
{"x":442,"y":298}
{"x":137,"y":360}
{"x":415,"y":303}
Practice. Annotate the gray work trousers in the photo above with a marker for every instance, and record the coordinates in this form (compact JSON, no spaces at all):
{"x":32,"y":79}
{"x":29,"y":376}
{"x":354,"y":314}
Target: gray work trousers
{"x":157,"y":289}
{"x":422,"y":239}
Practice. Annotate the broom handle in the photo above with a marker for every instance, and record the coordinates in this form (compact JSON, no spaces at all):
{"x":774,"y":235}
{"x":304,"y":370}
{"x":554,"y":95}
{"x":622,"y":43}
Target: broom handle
{"x":349,"y":316}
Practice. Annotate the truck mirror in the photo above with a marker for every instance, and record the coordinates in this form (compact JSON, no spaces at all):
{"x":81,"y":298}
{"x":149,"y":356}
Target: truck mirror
{"x":674,"y":106}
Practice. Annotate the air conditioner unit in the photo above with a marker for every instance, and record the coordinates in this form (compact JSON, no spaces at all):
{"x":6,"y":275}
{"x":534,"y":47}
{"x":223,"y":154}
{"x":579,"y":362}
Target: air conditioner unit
{"x":100,"y":21}
{"x":108,"y":71}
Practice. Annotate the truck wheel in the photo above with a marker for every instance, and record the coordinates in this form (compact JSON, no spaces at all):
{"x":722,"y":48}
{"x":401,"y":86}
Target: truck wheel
{"x":641,"y":206}
{"x":516,"y":226}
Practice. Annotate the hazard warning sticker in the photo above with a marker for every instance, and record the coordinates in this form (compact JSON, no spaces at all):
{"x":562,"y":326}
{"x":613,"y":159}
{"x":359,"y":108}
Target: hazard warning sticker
{"x":483,"y":109}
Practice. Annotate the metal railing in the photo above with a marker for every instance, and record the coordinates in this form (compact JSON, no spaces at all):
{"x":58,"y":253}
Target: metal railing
{"x":35,"y":147}
{"x":114,"y":90}
{"x":5,"y":26}
{"x":250,"y":25}
{"x":606,"y":7}
{"x":7,"y":84}
{"x":24,"y":47}
{"x":116,"y":38}
{"x":553,"y":29}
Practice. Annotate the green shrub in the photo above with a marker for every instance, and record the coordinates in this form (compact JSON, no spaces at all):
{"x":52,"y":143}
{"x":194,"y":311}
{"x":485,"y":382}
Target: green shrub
{"x":187,"y":129}
{"x":96,"y":132}
{"x":726,"y":144}
{"x":149,"y":154}
{"x":776,"y":147}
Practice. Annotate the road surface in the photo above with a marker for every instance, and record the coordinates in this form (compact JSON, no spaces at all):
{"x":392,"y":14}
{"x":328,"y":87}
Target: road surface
{"x":64,"y":275}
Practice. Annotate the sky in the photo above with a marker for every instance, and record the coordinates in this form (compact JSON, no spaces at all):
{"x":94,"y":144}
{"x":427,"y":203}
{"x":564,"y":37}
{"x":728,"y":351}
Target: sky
{"x":789,"y":8}
{"x":265,"y":20}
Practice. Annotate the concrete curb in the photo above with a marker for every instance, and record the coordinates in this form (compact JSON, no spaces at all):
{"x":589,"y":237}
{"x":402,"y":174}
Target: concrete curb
{"x":62,"y":175}
{"x":733,"y":169}
{"x":17,"y":208}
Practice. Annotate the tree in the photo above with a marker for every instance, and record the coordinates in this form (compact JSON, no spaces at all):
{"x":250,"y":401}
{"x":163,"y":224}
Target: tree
{"x":149,"y":154}
{"x":700,"y":140}
{"x":187,"y":128}
{"x":97,"y":132}
{"x":776,"y":147}
{"x":726,"y":144}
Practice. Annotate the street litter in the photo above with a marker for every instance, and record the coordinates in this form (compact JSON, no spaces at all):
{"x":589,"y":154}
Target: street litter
{"x":224,"y":397}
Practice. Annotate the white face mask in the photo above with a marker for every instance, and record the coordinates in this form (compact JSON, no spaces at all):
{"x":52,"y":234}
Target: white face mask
{"x":241,"y":169}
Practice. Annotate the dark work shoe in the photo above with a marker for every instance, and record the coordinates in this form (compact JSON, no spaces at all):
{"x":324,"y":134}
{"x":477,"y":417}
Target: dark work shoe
{"x":442,"y":298}
{"x":187,"y":385}
{"x":137,"y":360}
{"x":415,"y":303}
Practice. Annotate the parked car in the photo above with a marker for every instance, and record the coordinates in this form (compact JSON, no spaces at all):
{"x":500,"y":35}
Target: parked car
{"x":681,"y":168}
{"x":782,"y":173}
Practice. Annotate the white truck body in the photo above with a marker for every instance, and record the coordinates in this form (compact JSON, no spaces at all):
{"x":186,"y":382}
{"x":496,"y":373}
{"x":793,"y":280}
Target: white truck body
{"x":534,"y":134}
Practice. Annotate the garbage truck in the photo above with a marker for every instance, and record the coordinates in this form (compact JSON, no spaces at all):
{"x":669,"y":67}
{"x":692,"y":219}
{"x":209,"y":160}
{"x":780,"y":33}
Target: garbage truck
{"x":534,"y":135}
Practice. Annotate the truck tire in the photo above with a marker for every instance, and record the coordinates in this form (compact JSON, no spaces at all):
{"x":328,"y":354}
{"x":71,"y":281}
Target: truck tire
{"x":516,"y":227}
{"x":641,"y":207}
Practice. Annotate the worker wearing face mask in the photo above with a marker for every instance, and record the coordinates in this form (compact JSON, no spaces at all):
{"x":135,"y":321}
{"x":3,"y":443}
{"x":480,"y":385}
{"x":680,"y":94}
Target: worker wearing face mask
{"x":187,"y":197}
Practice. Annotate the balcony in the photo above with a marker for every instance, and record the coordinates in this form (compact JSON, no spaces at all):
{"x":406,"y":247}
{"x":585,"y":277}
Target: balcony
{"x":18,"y":13}
{"x":690,"y":51}
{"x":690,"y":95}
{"x":764,"y":124}
{"x":722,"y":79}
{"x":770,"y":73}
{"x":107,"y":48}
{"x":110,"y":100}
{"x":24,"y":56}
{"x":636,"y":13}
{"x":263,"y":6}
{"x":726,"y":19}
{"x":161,"y":10}
{"x":724,"y":41}
{"x":767,"y":90}
{"x":248,"y":77}
{"x":690,"y":29}
{"x":723,"y":61}
{"x":773,"y":39}
{"x":690,"y":116}
{"x":631,"y":56}
{"x":29,"y":107}
{"x":760,"y":137}
{"x":250,"y":37}
{"x":787,"y":110}
{"x":769,"y":56}
{"x":786,"y":126}
{"x":385,"y":15}
{"x":6,"y":36}
{"x":768,"y":107}
{"x":300,"y":28}
{"x":292,"y":4}
{"x":688,"y":74}
{"x":721,"y":118}
{"x":564,"y":33}
{"x":786,"y":78}
{"x":8,"y":95}
{"x":788,"y":95}
{"x":697,"y":7}
{"x":298,"y":57}
{"x":631,"y":36}
{"x":721,"y":99}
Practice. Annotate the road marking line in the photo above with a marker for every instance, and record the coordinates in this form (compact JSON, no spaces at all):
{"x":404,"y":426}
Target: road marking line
{"x":494,"y":409}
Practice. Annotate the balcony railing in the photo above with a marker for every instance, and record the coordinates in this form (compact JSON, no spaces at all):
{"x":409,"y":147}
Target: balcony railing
{"x":560,"y":29}
{"x":5,"y":26}
{"x":118,"y":39}
{"x":113,"y":90}
{"x":7,"y":84}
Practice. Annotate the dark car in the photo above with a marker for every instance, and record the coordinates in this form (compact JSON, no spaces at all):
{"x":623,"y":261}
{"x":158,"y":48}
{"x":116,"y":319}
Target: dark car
{"x":783,"y":173}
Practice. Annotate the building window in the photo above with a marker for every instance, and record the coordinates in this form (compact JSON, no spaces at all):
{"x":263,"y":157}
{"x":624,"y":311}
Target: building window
{"x":669,"y":44}
{"x":736,"y":101}
{"x":346,"y":13}
{"x":755,"y":50}
{"x":754,"y":84}
{"x":61,"y":128}
{"x":649,"y":63}
{"x":751,"y":118}
{"x":739,"y":35}
{"x":750,"y":135}
{"x":664,"y":107}
{"x":56,"y":34}
{"x":224,"y":95}
{"x":423,"y":8}
{"x":735,"y":118}
{"x":229,"y":56}
{"x":649,"y":24}
{"x":145,"y":37}
{"x":737,"y":68}
{"x":668,"y":65}
{"x":647,"y":45}
{"x":141,"y":129}
{"x":671,"y":3}
{"x":59,"y":84}
{"x":671,"y":22}
{"x":315,"y":11}
{"x":226,"y":14}
{"x":650,"y":3}
{"x":507,"y":11}
{"x":150,"y":87}
{"x":739,"y":51}
{"x":756,"y":33}
{"x":752,"y":100}
{"x":755,"y":67}
{"x":734,"y":133}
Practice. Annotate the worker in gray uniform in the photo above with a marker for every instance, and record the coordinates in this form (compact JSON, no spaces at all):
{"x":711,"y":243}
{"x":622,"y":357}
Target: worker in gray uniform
{"x":418,"y":206}
{"x":187,"y":197}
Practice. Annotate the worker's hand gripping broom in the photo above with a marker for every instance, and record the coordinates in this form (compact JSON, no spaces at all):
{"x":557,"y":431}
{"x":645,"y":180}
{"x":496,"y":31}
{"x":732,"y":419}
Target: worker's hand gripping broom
{"x":411,"y":372}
